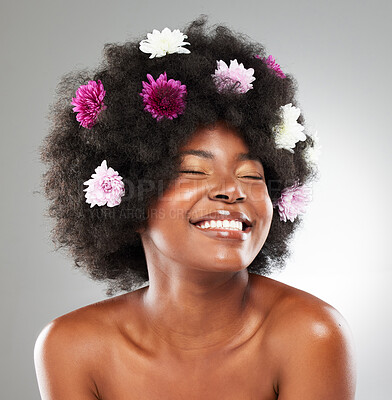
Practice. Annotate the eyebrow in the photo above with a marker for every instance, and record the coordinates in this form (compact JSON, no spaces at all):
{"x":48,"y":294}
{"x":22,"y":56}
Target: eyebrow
{"x":210,"y":156}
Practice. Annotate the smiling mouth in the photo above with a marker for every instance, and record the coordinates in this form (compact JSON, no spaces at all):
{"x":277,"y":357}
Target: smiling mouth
{"x":245,"y":228}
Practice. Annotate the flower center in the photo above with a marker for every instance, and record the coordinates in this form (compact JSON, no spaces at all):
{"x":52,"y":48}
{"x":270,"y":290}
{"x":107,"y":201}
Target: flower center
{"x":107,"y":185}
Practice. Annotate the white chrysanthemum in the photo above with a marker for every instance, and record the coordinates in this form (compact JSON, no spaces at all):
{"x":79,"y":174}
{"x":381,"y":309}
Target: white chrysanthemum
{"x":313,"y":153}
{"x":289,"y":132}
{"x":166,"y":42}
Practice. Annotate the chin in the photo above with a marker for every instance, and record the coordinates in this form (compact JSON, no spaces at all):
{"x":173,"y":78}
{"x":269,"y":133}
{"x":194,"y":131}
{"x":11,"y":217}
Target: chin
{"x":223,"y":264}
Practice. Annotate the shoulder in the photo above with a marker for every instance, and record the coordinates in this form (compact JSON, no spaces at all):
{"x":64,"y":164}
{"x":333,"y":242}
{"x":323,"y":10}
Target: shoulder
{"x":312,"y":343}
{"x":296,"y":308}
{"x":70,"y":350}
{"x":70,"y":341}
{"x":83,"y":325}
{"x":80,"y":329}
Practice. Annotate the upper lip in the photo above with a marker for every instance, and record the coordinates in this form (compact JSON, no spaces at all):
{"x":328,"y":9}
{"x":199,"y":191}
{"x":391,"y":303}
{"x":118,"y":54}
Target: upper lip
{"x":224,"y":214}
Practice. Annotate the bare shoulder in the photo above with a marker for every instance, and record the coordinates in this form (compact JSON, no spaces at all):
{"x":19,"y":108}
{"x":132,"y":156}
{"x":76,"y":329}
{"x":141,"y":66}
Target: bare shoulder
{"x":70,"y":347}
{"x":296,"y":308}
{"x":312,"y":342}
{"x":89,"y":323}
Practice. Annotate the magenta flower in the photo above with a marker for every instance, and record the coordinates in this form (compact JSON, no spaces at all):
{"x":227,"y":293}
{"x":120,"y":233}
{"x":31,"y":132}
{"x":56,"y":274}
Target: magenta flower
{"x":271,"y":64}
{"x":89,"y":103}
{"x":105,"y":187}
{"x":293,"y":201}
{"x":163,"y":98}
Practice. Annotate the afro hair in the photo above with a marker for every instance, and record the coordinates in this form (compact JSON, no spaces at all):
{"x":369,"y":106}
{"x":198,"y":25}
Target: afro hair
{"x":103,"y":241}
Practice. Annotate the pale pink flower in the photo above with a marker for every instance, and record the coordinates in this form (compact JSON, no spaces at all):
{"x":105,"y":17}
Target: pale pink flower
{"x":89,"y":103}
{"x":271,"y":64}
{"x":163,"y":98}
{"x":225,"y":76}
{"x":105,"y":187}
{"x":293,"y":201}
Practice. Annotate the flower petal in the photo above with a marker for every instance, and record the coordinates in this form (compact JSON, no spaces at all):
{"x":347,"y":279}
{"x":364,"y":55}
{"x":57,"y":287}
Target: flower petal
{"x":293,"y":201}
{"x":289,"y":132}
{"x":158,"y":44}
{"x":105,"y":187}
{"x":234,"y":77}
{"x":163,"y":98}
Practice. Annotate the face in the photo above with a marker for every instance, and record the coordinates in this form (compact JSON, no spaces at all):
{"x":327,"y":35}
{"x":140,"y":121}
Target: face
{"x":216,"y":176}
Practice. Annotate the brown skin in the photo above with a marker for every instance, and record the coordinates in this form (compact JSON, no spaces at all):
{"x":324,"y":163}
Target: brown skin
{"x":204,"y":328}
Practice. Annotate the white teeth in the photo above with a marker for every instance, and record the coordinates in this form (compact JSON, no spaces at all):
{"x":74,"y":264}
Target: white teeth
{"x":225,"y":224}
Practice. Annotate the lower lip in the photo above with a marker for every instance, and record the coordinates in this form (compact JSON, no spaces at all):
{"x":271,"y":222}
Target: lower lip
{"x":225,"y":234}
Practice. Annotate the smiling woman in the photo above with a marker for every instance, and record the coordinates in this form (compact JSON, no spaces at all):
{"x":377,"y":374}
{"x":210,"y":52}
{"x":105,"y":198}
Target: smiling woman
{"x":201,"y":175}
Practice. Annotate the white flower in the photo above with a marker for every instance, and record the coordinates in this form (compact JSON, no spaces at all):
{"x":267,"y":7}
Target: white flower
{"x":166,"y":42}
{"x":312,"y":153}
{"x":289,"y":132}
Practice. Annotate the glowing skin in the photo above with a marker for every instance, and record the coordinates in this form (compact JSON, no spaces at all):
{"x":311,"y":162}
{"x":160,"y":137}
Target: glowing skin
{"x":194,"y":271}
{"x":204,"y":328}
{"x":222,"y":183}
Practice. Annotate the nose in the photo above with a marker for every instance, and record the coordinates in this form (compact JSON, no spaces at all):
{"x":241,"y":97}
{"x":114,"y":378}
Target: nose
{"x":227,"y":190}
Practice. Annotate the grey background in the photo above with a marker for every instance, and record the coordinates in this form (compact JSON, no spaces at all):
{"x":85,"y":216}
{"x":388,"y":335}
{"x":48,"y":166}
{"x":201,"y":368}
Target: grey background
{"x":339,"y":52}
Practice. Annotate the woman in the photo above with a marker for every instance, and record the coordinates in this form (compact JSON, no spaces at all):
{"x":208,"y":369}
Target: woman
{"x":203,"y":173}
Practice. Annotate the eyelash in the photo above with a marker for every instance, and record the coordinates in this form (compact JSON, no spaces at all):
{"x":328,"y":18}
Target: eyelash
{"x":247,"y":176}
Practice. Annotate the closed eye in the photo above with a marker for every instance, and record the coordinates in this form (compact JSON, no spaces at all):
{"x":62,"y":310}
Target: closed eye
{"x":247,"y":176}
{"x":193,"y":172}
{"x":254,"y":177}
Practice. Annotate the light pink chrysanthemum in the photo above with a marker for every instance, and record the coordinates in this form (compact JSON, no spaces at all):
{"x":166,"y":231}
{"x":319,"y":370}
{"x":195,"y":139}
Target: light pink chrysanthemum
{"x":105,"y":187}
{"x":163,"y":98}
{"x":293,"y":201}
{"x":271,"y":64}
{"x":225,"y":76}
{"x":89,"y":103}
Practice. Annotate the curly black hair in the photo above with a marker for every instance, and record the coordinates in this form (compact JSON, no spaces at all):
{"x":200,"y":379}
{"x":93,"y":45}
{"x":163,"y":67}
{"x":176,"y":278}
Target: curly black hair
{"x":103,"y":241}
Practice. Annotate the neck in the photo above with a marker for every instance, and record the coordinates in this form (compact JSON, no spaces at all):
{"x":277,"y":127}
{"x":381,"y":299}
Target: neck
{"x":196,"y":309}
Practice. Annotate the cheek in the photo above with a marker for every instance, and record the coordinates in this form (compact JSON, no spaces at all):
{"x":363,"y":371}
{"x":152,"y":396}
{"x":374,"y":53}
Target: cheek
{"x":264,"y":210}
{"x":269,"y":209}
{"x":262,"y":202}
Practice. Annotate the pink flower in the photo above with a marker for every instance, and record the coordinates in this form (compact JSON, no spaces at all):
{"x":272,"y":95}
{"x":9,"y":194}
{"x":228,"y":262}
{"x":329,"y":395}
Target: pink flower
{"x":163,"y":98}
{"x":293,"y":201}
{"x":271,"y":64}
{"x":89,"y":103}
{"x":105,"y":187}
{"x":225,"y":76}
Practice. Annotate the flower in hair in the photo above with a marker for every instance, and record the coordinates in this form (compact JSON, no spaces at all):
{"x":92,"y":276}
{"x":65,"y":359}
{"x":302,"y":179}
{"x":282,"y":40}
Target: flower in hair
{"x":166,"y":42}
{"x":235,"y":76}
{"x":163,"y":98}
{"x":104,"y":187}
{"x":271,"y":64}
{"x":89,"y":103}
{"x":289,"y":132}
{"x":312,"y":153}
{"x":293,"y":201}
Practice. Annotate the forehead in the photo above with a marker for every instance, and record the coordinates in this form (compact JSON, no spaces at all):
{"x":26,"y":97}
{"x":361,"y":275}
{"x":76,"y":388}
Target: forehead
{"x":215,"y":142}
{"x":214,"y":134}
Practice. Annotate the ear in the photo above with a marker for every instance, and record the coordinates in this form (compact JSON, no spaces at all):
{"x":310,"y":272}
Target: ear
{"x":140,"y":230}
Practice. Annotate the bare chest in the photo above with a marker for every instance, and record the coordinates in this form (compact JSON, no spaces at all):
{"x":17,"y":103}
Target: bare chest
{"x":243,"y":374}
